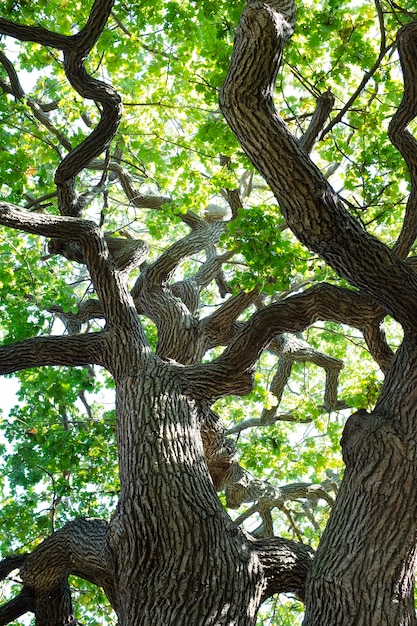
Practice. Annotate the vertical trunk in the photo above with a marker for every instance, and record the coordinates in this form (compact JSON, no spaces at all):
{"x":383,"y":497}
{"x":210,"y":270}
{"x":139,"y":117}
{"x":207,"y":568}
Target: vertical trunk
{"x":365,"y":566}
{"x":179,"y":559}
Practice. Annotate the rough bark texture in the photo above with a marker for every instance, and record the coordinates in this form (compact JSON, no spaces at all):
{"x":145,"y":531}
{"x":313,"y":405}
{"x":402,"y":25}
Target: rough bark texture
{"x":170,"y":536}
{"x":367,"y":557}
{"x":170,"y":554}
{"x":364,"y":570}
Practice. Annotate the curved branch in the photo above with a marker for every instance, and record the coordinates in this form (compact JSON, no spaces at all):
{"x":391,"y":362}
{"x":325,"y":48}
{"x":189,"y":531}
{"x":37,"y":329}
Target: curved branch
{"x":91,"y":88}
{"x":21,"y":604}
{"x":75,"y":350}
{"x":180,"y":335}
{"x":294,"y":314}
{"x":10,"y":563}
{"x":15,"y":87}
{"x":111,"y":289}
{"x":403,"y":139}
{"x":75,"y":49}
{"x":312,"y":209}
{"x":159,"y":272}
{"x":285,"y":564}
{"x":293,"y":349}
{"x":79,"y":548}
{"x":88,"y":310}
{"x":376,"y":341}
{"x":141,"y":201}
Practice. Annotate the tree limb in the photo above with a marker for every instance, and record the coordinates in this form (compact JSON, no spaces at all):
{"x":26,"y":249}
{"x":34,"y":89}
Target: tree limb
{"x":108,"y":282}
{"x":294,"y":314}
{"x":312,"y":209}
{"x":401,"y":138}
{"x":21,"y":604}
{"x":323,"y":109}
{"x":79,"y":548}
{"x":159,"y":272}
{"x":75,"y":49}
{"x":71,"y":351}
{"x":285,"y":564}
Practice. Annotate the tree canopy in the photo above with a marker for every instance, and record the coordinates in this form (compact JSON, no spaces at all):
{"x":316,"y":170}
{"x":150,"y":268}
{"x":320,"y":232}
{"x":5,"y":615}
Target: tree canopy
{"x":110,"y":122}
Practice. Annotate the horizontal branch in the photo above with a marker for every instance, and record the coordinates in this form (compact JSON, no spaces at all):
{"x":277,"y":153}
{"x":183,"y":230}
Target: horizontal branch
{"x":294,"y":314}
{"x":110,"y":286}
{"x":57,"y":226}
{"x":78,"y":548}
{"x":71,"y":351}
{"x":37,"y":34}
{"x":285,"y":564}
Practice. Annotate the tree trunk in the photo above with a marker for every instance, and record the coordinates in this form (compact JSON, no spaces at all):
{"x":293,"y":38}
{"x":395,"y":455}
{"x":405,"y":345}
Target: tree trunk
{"x":364,"y":569}
{"x":179,"y":558}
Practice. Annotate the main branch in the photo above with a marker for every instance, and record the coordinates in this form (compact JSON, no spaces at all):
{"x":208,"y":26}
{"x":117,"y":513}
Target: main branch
{"x":313,"y":211}
{"x":75,"y":350}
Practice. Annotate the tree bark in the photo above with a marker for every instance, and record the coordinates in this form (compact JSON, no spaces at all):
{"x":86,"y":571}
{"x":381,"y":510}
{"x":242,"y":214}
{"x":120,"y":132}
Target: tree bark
{"x":364,"y":569}
{"x":179,"y":558}
{"x":365,"y":565}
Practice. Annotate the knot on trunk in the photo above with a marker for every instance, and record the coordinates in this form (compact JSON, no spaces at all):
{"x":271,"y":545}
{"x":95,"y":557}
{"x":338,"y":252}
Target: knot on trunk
{"x":373,"y":436}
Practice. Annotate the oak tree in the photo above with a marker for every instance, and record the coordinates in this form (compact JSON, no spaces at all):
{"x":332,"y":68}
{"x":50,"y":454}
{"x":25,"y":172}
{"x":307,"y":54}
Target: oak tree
{"x":158,"y":257}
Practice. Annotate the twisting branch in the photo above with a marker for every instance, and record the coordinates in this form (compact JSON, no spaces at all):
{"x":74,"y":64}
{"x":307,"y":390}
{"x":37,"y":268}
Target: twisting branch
{"x":88,"y":87}
{"x":294,"y":314}
{"x":76,"y":48}
{"x":312,"y":209}
{"x":139,"y":200}
{"x":293,"y":349}
{"x":79,"y":548}
{"x":180,"y":335}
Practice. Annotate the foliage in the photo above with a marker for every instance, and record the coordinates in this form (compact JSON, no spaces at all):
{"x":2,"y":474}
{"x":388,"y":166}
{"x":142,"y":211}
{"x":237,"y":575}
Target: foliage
{"x":168,"y":60}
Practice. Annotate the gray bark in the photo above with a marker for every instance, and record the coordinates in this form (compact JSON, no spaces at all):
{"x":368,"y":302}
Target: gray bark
{"x":365,"y":565}
{"x":170,"y":554}
{"x":179,"y":557}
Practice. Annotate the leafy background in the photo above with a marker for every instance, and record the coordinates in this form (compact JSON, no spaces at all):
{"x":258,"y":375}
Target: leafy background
{"x":168,"y":60}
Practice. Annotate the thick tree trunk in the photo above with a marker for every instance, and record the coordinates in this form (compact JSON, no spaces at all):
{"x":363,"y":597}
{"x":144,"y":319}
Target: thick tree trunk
{"x":365,"y":565}
{"x":179,"y":558}
{"x":364,"y":570}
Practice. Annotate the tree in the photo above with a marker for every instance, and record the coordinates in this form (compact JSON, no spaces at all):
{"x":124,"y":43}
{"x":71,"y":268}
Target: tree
{"x":170,"y":554}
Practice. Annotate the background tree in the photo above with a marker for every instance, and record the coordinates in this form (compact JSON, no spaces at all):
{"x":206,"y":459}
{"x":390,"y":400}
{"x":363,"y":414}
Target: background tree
{"x":143,"y":250}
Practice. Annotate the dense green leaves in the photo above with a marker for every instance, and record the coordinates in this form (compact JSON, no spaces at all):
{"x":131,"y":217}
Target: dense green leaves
{"x":168,"y":60}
